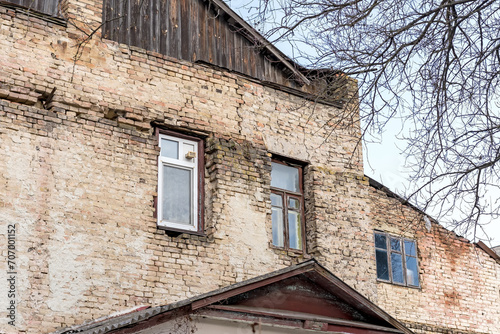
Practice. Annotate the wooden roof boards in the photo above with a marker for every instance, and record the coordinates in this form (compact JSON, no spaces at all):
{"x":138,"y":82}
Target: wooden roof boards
{"x":48,"y":7}
{"x":199,"y":30}
{"x":47,"y":10}
{"x":207,"y":32}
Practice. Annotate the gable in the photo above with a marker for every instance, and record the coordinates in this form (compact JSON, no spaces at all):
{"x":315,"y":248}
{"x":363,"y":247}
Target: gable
{"x":295,"y":295}
{"x":301,"y":298}
{"x":306,"y":296}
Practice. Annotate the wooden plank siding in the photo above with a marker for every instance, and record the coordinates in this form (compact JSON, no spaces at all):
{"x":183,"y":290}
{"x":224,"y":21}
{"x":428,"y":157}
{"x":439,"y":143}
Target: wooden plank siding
{"x":49,"y":7}
{"x":192,"y":30}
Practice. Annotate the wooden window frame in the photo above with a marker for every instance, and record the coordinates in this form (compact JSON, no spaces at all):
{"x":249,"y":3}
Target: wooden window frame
{"x":285,"y":195}
{"x":390,"y":251}
{"x":197,"y":207}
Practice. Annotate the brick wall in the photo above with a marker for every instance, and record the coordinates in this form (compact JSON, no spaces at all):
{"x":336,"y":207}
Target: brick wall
{"x":79,"y":178}
{"x":459,"y":283}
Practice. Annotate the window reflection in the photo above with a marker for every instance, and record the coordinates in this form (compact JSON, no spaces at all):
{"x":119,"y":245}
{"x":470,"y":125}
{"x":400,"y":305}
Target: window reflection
{"x":169,"y":149}
{"x":285,"y":177}
{"x":396,"y":260}
{"x":286,"y":204}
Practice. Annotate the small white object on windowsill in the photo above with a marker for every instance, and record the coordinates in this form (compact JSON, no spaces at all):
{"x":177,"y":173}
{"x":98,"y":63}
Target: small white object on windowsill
{"x":190,"y":155}
{"x":428,"y":224}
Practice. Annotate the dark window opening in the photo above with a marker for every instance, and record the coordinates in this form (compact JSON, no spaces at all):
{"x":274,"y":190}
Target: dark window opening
{"x":396,"y":260}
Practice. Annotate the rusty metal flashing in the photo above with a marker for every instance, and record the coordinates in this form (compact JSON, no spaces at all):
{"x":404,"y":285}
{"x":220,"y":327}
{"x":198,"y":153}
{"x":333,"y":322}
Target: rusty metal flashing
{"x":488,"y":251}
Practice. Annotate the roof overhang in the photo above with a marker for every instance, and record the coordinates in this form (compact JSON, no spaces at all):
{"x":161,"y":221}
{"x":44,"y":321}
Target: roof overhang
{"x":256,"y":37}
{"x":304,"y":297}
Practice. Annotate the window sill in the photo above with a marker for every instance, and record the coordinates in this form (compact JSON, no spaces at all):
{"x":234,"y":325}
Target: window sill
{"x":399,"y":285}
{"x":289,"y":252}
{"x":173,"y":232}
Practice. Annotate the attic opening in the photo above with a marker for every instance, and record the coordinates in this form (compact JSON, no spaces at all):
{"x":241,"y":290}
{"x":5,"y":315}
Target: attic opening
{"x":45,"y":99}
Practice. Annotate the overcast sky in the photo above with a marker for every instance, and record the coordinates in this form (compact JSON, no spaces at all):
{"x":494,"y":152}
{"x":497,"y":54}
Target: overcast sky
{"x":384,"y":162}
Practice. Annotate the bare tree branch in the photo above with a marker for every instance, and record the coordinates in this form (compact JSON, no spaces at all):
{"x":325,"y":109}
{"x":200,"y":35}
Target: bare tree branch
{"x":433,"y":63}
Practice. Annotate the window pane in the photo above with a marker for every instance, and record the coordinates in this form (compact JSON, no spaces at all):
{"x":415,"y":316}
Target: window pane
{"x":396,"y":244}
{"x":380,"y":241}
{"x":294,"y":230}
{"x":410,"y":248}
{"x":176,"y":204}
{"x":276,"y":200}
{"x":397,"y":268}
{"x":278,"y":228}
{"x":293,"y":203}
{"x":411,"y":271}
{"x":382,"y":265}
{"x":169,"y":149}
{"x":285,"y":177}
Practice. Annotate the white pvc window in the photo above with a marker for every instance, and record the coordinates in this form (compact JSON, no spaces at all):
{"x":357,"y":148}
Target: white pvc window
{"x":178,"y":183}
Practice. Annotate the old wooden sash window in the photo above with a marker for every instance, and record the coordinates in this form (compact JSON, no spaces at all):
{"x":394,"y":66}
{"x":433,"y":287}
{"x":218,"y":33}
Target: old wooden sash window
{"x":396,"y":259}
{"x":180,"y":183}
{"x":287,"y":203}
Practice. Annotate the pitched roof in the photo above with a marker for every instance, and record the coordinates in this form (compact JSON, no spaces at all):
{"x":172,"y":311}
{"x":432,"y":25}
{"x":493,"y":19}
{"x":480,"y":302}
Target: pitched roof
{"x":262,"y":41}
{"x":309,"y":293}
{"x":496,"y":249}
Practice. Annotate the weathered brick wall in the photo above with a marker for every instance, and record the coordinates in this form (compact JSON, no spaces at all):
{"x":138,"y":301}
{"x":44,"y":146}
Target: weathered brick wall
{"x":79,"y":179}
{"x":460,"y":283}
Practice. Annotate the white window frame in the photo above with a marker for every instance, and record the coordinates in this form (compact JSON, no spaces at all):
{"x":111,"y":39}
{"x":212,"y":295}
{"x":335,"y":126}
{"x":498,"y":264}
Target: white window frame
{"x":184,"y":163}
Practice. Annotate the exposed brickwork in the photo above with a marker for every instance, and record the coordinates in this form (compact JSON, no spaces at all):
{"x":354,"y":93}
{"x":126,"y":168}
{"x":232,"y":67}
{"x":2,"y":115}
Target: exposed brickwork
{"x":79,"y":178}
{"x":459,"y":282}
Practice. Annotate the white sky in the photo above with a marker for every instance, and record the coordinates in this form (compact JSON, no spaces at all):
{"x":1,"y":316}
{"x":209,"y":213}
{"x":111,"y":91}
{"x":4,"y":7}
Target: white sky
{"x":382,"y":161}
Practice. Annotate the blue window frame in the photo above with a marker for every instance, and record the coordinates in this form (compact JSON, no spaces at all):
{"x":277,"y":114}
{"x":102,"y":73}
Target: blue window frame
{"x":396,"y":260}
